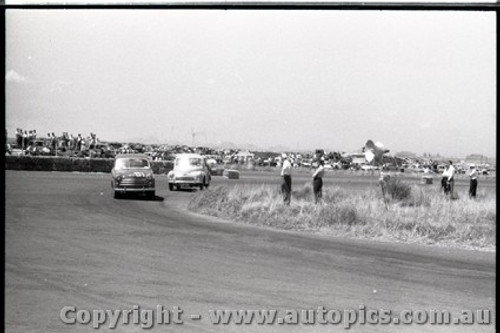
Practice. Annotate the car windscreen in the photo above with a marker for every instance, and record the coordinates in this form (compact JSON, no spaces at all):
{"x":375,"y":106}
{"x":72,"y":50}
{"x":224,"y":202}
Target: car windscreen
{"x":188,"y":162}
{"x":131,"y":163}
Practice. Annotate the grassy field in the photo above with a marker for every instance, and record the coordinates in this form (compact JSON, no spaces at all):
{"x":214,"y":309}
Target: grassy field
{"x":413,"y":214}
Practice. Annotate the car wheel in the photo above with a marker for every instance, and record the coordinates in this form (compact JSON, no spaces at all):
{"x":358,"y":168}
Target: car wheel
{"x":201,"y":185}
{"x":117,"y":195}
{"x":171,"y":187}
{"x":151,"y":195}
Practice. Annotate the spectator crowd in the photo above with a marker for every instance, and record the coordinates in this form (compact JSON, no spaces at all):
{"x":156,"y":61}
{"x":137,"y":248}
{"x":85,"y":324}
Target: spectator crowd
{"x":28,"y":142}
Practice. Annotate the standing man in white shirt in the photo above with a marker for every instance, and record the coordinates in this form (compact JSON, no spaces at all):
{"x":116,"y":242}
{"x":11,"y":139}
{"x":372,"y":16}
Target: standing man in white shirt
{"x":451,"y":180}
{"x":286,"y":174}
{"x":318,"y":181}
{"x":473,"y":174}
{"x":448,"y":174}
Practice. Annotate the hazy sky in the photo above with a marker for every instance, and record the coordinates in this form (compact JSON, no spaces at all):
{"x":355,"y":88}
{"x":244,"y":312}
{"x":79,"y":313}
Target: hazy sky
{"x":416,"y":80}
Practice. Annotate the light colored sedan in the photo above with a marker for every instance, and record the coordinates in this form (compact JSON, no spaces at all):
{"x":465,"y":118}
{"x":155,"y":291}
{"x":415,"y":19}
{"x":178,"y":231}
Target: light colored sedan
{"x":190,"y":170}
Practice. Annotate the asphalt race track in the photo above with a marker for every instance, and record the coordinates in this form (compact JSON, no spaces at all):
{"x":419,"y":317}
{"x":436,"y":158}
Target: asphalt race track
{"x":69,"y":243}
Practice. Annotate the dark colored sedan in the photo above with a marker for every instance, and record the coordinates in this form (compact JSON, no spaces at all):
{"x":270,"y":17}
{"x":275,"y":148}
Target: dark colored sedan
{"x":132,"y":173}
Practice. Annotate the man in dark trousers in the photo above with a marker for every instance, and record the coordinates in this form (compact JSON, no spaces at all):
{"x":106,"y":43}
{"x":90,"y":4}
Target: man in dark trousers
{"x":79,"y":142}
{"x":448,"y":180}
{"x":19,"y":138}
{"x":318,"y":181}
{"x":286,"y":174}
{"x":473,"y":174}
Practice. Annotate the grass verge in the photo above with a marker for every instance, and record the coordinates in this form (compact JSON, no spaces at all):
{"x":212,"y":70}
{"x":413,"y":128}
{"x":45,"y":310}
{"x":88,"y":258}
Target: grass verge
{"x":414,"y":214}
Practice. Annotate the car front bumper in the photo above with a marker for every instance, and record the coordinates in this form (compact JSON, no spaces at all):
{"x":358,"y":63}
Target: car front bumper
{"x":128,"y":185}
{"x":134,"y":189}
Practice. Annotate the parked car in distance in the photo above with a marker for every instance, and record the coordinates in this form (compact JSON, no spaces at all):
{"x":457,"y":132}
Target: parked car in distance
{"x":103,"y":150}
{"x":38,"y":148}
{"x":214,"y":167}
{"x":391,"y":167}
{"x":337,"y":165}
{"x":190,"y":170}
{"x":132,"y":173}
{"x":368,"y":167}
{"x":306,"y":163}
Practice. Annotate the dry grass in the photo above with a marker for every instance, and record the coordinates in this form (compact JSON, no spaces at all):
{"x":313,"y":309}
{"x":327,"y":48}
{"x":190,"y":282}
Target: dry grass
{"x":414,"y":215}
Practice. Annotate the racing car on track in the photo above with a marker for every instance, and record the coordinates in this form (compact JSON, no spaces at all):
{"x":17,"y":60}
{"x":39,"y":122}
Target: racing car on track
{"x":190,"y":170}
{"x":132,"y":173}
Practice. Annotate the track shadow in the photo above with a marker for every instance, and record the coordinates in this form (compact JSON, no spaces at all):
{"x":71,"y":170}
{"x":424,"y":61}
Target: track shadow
{"x":156,"y":198}
{"x":143,"y":197}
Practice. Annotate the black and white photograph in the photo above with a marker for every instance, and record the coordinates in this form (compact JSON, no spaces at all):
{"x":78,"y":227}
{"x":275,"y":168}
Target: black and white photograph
{"x":232,"y":168}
